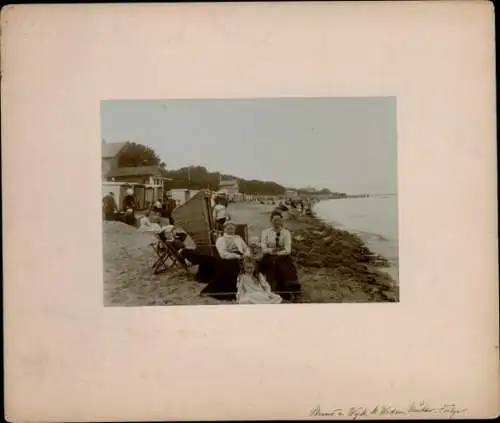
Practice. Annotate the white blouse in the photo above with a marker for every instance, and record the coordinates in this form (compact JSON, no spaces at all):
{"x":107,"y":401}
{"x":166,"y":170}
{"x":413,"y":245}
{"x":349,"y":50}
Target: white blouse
{"x":268,"y":241}
{"x":228,"y":246}
{"x":219,"y":212}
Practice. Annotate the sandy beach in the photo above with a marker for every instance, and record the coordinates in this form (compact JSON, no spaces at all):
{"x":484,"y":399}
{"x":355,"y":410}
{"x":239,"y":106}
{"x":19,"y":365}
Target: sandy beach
{"x":333,"y":265}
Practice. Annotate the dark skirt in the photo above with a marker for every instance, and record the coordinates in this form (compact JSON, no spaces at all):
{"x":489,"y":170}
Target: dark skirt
{"x":207,"y":265}
{"x":128,"y":218}
{"x":223,"y":285}
{"x":281,"y":274}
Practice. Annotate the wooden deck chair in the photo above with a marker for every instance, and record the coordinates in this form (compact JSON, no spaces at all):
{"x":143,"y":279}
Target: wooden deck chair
{"x":166,"y":255}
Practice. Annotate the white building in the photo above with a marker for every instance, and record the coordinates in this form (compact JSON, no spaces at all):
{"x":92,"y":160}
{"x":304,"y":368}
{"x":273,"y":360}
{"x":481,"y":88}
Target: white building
{"x":181,"y":195}
{"x":230,"y":187}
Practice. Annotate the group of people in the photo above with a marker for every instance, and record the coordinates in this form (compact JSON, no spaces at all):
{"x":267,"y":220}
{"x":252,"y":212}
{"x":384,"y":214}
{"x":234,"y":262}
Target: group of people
{"x":164,"y":208}
{"x":127,"y":213}
{"x":299,"y":206}
{"x":111,"y":211}
{"x":260,"y":273}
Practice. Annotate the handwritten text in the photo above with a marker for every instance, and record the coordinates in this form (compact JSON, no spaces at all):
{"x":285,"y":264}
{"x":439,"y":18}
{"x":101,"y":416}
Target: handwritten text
{"x":448,"y":410}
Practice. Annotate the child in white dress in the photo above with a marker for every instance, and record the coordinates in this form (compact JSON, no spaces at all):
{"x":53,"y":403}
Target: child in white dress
{"x":253,"y":287}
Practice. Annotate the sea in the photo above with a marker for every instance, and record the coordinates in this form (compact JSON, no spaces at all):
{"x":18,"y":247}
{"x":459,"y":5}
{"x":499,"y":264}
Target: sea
{"x":374,"y":219}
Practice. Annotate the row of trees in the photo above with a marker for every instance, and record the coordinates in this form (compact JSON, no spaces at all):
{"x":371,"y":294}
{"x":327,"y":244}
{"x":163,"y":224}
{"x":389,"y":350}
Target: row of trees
{"x":198,"y":177}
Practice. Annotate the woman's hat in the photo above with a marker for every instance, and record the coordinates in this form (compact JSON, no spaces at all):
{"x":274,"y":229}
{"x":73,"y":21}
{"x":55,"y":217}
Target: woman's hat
{"x":229,"y":222}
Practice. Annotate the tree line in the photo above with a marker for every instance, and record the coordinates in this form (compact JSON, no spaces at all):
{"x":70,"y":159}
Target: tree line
{"x":199,"y":177}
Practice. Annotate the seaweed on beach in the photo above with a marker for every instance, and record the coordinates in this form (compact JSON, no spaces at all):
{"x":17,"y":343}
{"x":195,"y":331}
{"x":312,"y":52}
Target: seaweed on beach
{"x":321,"y":246}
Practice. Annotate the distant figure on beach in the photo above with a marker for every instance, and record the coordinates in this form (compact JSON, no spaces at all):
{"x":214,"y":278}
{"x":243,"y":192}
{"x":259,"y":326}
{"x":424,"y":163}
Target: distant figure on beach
{"x":129,"y":200}
{"x":282,"y":206}
{"x":169,"y":206}
{"x":231,"y":249}
{"x":277,"y":263}
{"x":293,"y":210}
{"x":308,"y":208}
{"x":252,"y":287}
{"x":158,"y":206}
{"x":220,"y":214}
{"x":301,"y":206}
{"x":109,"y":207}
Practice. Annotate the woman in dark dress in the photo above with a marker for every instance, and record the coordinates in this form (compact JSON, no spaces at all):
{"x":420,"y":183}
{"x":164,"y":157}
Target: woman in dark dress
{"x":231,"y":248}
{"x":129,"y":205}
{"x":109,"y":207}
{"x":277,"y":265}
{"x":129,"y":200}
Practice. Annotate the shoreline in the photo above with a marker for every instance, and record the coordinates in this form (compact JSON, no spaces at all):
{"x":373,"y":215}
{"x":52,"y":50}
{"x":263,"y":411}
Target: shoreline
{"x":382,"y":245}
{"x":345,"y":257}
{"x":334,"y":266}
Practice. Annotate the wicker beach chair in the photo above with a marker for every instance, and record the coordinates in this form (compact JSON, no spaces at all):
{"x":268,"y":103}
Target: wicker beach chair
{"x":196,"y":218}
{"x":242,"y":231}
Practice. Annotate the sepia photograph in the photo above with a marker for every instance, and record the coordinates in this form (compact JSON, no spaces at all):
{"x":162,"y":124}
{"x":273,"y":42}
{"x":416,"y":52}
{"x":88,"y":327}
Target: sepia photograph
{"x":265,"y":211}
{"x":249,"y":201}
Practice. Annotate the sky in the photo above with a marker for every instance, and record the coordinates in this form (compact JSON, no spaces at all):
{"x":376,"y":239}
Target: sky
{"x":343,"y":144}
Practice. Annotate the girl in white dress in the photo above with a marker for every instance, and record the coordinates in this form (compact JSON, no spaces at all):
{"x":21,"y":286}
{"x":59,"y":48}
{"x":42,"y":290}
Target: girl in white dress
{"x":253,"y":287}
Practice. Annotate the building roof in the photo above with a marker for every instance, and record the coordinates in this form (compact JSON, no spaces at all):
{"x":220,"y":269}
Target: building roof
{"x":136,"y":171}
{"x":110,"y":150}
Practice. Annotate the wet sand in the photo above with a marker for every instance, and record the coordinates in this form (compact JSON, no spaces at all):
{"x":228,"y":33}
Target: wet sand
{"x":328,"y":263}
